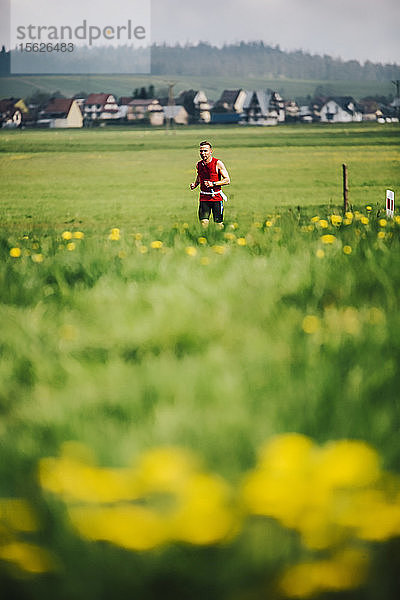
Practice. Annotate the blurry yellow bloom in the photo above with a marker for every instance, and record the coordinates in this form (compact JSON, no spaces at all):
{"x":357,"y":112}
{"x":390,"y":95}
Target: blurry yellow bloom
{"x":156,"y":244}
{"x":15,"y":252}
{"x":347,"y":221}
{"x":257,"y":225}
{"x":78,"y":235}
{"x":126,"y":525}
{"x":323,"y":223}
{"x":397,"y":219}
{"x":114,"y":235}
{"x":219,"y":249}
{"x":18,"y":514}
{"x":233,"y":226}
{"x":368,"y":208}
{"x":28,"y":557}
{"x":185,"y":226}
{"x":349,"y":215}
{"x":138,"y":237}
{"x":364,"y":220}
{"x":122,"y":254}
{"x":382,"y":222}
{"x":328,"y":239}
{"x":143,"y":249}
{"x":230,"y":236}
{"x":320,"y":253}
{"x":37,"y":258}
{"x":269,"y":223}
{"x":347,"y":249}
{"x":202,"y":240}
{"x":35,"y":246}
{"x":310,"y":324}
{"x":66,"y":235}
{"x":315,"y":219}
{"x":347,"y":463}
{"x":336,"y":220}
{"x":71,"y":246}
{"x":191,"y":251}
{"x":381,"y":235}
{"x":345,"y":571}
{"x":241,"y":241}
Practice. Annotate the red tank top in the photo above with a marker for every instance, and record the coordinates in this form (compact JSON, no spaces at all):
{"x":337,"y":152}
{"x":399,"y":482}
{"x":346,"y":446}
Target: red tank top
{"x":208,"y":172}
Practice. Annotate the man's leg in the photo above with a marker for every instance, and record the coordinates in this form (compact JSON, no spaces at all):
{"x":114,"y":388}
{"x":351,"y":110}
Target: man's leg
{"x":204,"y":213}
{"x":218,"y":213}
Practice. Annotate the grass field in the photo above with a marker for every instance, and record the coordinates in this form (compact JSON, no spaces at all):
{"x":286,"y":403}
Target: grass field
{"x":199,"y":414}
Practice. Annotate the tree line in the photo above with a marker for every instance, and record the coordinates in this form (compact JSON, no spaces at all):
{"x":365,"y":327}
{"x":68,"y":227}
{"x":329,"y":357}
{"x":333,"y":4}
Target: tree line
{"x":250,"y":59}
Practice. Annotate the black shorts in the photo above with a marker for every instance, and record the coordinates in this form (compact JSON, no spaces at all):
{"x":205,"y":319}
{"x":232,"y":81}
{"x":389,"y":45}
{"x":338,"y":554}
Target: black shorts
{"x":215,"y":206}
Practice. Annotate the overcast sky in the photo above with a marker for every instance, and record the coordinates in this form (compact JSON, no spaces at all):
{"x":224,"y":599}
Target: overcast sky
{"x":350,"y":29}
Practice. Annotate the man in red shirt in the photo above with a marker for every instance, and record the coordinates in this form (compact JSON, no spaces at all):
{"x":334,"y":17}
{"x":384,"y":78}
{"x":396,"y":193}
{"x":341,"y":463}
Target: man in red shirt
{"x":211,"y":175}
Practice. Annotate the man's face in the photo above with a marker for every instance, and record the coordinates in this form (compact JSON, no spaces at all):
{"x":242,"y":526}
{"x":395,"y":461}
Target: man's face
{"x":205,"y":152}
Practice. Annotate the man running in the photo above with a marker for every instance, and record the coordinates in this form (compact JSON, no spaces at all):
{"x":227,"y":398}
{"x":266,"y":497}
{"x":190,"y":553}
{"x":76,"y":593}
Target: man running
{"x":211,"y":175}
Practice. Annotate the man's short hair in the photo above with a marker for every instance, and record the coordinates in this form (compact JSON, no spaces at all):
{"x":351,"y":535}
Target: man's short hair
{"x":205,"y":143}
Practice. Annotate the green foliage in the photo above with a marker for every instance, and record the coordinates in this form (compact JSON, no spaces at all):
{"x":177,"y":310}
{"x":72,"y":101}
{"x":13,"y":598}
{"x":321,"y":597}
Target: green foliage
{"x":148,"y":331}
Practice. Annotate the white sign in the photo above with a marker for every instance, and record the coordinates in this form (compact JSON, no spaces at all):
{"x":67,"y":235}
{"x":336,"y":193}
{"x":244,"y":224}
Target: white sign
{"x":390,"y":203}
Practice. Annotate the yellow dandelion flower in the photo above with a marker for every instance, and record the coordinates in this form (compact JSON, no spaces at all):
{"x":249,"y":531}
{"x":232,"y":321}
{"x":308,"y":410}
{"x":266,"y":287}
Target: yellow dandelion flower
{"x":114,"y":237}
{"x":382,"y":222}
{"x":191,"y":251}
{"x":156,"y":244}
{"x":269,"y":223}
{"x":336,"y":220}
{"x":66,"y":235}
{"x":347,"y":221}
{"x":71,"y":246}
{"x":257,"y":224}
{"x":347,"y":249}
{"x":185,"y":226}
{"x":219,"y":249}
{"x":143,"y":249}
{"x":28,"y":557}
{"x":233,"y":226}
{"x":15,"y":252}
{"x":241,"y":241}
{"x":320,"y":253}
{"x":328,"y":239}
{"x":78,"y":235}
{"x":381,"y":235}
{"x":368,"y":208}
{"x":349,"y":215}
{"x":323,"y":223}
{"x":202,"y":240}
{"x":314,"y":219}
{"x":397,"y":219}
{"x":364,"y":220}
{"x":310,"y":324}
{"x":37,"y":258}
{"x":35,"y":246}
{"x":18,"y":514}
{"x":230,"y":236}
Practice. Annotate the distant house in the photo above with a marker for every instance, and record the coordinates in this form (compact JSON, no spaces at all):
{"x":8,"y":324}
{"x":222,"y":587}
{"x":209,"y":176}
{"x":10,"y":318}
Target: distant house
{"x":13,"y":112}
{"x":231,"y":101}
{"x":341,"y":110}
{"x":141,"y":110}
{"x":99,"y":107}
{"x":292,"y":111}
{"x":61,"y":112}
{"x":176,"y":113}
{"x":263,"y":108}
{"x":196,"y":105}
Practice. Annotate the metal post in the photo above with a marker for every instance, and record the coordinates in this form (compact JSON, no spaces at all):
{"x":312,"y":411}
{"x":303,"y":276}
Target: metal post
{"x":345,"y":188}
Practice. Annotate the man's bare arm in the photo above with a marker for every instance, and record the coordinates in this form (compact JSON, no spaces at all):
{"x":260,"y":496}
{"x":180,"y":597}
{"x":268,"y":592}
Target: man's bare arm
{"x":222,"y":171}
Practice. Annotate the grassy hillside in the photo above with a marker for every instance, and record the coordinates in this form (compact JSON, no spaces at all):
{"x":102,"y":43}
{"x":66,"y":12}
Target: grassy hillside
{"x":124,"y":85}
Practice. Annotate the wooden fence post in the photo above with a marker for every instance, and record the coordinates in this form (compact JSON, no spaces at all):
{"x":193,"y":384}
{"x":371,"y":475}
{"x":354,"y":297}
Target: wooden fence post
{"x":345,"y":188}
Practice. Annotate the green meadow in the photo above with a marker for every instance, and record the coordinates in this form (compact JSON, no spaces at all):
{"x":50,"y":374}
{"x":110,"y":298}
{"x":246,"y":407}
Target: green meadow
{"x":189,"y":413}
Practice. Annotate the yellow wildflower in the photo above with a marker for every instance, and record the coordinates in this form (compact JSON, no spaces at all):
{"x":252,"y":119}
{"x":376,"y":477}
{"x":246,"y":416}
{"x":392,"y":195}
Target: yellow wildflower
{"x":15,"y":252}
{"x":336,"y":220}
{"x":37,"y":258}
{"x":323,"y":223}
{"x":156,"y":244}
{"x":241,"y":241}
{"x":78,"y":235}
{"x":219,"y":249}
{"x":368,"y":208}
{"x":202,"y":240}
{"x":191,"y":251}
{"x":28,"y":557}
{"x":320,"y":253}
{"x":382,"y":222}
{"x":381,"y":235}
{"x":364,"y":220}
{"x":310,"y":324}
{"x":328,"y":239}
{"x":314,"y":219}
{"x":143,"y":249}
{"x":66,"y":235}
{"x":71,"y":246}
{"x":347,"y":249}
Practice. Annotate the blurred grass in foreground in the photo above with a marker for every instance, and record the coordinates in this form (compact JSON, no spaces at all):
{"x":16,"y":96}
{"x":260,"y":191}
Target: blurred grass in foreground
{"x":143,"y":369}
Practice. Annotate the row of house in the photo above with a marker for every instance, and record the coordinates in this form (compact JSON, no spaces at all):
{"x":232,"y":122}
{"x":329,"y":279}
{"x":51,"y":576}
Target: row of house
{"x":246,"y":107}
